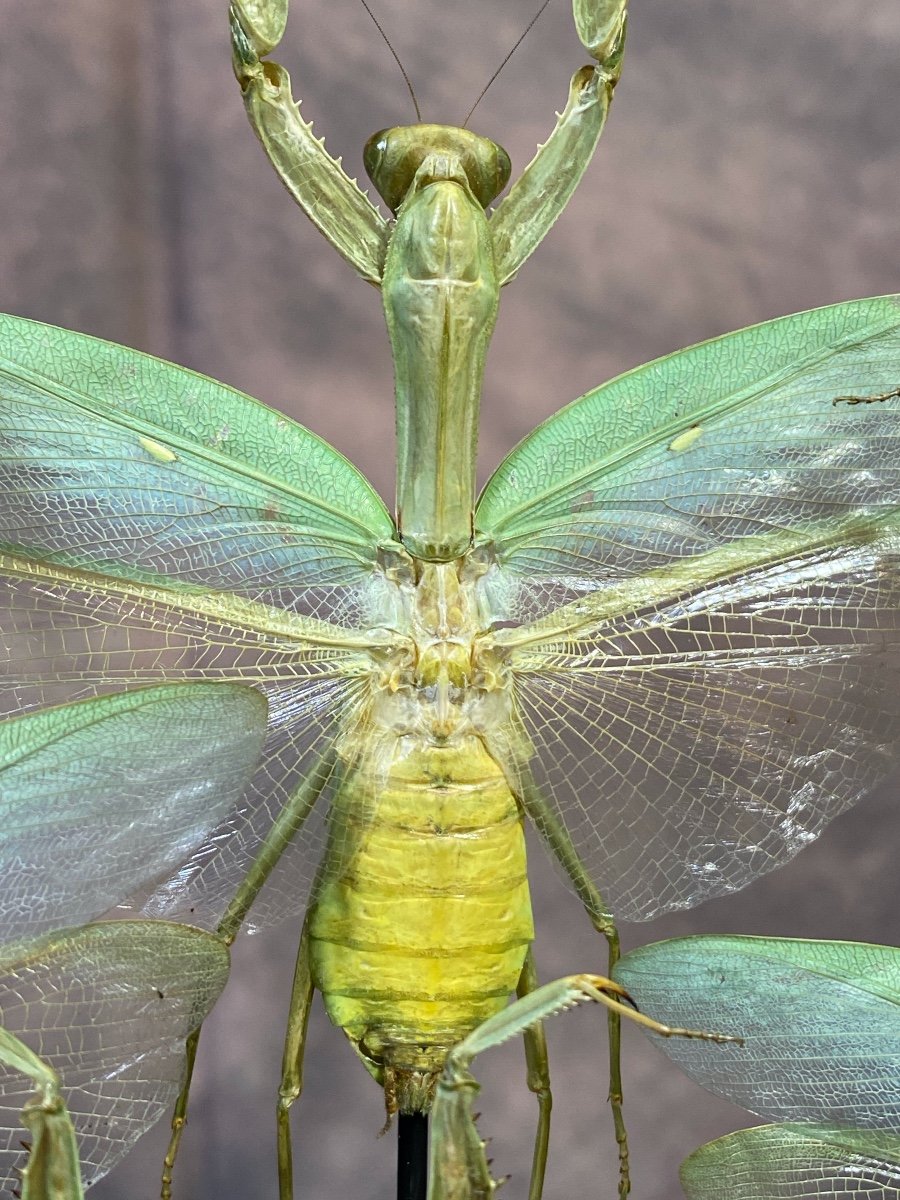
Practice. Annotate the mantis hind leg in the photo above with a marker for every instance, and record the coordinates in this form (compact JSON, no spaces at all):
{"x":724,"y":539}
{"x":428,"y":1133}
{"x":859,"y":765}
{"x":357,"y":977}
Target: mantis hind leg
{"x":538,"y":1077}
{"x":292,"y":1062}
{"x":179,"y":1114}
{"x":560,"y":844}
{"x":457,"y":1163}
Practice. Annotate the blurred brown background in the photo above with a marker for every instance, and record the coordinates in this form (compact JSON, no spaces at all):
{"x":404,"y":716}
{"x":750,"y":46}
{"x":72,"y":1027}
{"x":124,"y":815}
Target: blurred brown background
{"x":750,"y":169}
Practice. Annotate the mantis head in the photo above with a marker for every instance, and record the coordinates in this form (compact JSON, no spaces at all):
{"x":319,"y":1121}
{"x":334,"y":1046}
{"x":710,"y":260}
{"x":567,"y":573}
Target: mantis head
{"x":394,"y":158}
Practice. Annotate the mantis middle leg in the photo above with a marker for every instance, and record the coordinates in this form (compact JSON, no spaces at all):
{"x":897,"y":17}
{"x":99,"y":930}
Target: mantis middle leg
{"x":557,"y":838}
{"x":292,"y":1062}
{"x":289,"y":822}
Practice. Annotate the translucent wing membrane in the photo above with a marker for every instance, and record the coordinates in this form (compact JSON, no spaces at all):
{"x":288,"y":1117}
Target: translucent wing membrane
{"x":68,"y":635}
{"x":818,"y":1021}
{"x":99,"y":797}
{"x":795,"y":1162}
{"x":117,"y":462}
{"x":740,"y":436}
{"x":699,"y":740}
{"x":108,"y":1007}
{"x":301,"y":748}
{"x":704,"y":558}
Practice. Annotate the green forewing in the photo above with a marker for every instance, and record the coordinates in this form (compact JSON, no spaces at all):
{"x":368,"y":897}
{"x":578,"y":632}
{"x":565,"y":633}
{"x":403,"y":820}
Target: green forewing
{"x":125,"y":464}
{"x":108,"y":1006}
{"x":736,"y":436}
{"x":819,"y":1023}
{"x":795,"y":1162}
{"x":100,"y":798}
{"x":157,"y":526}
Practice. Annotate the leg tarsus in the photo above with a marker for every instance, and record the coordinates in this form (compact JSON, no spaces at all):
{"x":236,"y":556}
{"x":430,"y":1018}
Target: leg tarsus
{"x":285,"y":1157}
{"x":614,"y":1027}
{"x":605,"y":926}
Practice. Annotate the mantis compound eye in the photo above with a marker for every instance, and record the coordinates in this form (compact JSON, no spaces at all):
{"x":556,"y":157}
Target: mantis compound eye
{"x":393,"y":156}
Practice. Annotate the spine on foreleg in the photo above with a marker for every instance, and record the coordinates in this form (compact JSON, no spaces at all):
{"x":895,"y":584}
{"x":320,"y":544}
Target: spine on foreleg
{"x":420,"y":929}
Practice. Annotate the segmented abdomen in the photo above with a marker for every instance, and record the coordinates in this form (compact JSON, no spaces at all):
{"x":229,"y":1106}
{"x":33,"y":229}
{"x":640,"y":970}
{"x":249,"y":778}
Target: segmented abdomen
{"x":421,"y":929}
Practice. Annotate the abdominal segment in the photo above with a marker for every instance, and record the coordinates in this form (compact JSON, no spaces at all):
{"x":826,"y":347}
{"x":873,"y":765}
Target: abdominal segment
{"x":421,"y":928}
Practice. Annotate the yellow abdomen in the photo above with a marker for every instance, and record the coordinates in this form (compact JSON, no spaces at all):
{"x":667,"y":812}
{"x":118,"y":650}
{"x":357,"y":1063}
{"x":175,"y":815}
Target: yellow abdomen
{"x":420,"y":929}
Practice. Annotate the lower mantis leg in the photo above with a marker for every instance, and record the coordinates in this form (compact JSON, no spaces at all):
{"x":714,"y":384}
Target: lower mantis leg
{"x":292,"y":1062}
{"x":557,"y":838}
{"x":538,"y":1076}
{"x":289,"y":821}
{"x":179,"y":1114}
{"x":457,"y":1165}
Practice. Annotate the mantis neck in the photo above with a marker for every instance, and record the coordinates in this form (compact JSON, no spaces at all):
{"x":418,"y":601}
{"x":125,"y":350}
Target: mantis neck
{"x":441,"y":294}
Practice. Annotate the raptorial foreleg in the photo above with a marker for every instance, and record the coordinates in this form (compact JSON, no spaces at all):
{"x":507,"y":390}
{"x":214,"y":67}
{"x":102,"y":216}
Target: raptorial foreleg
{"x":329,"y":197}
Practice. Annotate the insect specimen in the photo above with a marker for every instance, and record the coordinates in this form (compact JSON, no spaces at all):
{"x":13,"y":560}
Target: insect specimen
{"x":516,"y":581}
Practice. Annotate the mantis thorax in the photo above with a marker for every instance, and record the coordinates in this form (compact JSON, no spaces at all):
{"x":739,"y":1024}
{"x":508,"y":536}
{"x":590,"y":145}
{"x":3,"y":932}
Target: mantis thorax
{"x":447,"y":682}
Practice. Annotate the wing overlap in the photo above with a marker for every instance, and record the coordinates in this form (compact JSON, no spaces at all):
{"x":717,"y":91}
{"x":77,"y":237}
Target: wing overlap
{"x":701,"y":737}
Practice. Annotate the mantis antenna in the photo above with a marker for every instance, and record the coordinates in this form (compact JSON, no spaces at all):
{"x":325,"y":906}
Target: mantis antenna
{"x":519,"y":40}
{"x":483,"y":92}
{"x":408,"y":81}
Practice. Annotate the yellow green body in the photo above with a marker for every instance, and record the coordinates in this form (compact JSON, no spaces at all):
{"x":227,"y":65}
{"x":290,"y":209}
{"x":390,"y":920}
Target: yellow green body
{"x":422,"y":920}
{"x":423,"y":932}
{"x":642,"y":637}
